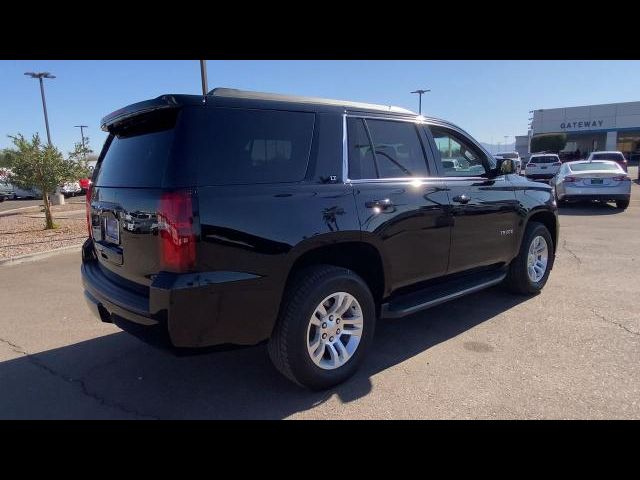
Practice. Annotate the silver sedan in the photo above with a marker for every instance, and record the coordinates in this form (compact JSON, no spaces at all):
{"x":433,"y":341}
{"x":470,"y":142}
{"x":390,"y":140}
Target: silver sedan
{"x":601,"y":180}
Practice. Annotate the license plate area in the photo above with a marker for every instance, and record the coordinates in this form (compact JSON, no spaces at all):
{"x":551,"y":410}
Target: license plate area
{"x":596,"y":181}
{"x":111,"y":230}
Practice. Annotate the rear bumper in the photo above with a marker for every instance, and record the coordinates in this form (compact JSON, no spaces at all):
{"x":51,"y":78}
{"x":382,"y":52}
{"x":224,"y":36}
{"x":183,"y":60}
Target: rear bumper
{"x":184,"y":310}
{"x":592,"y":196}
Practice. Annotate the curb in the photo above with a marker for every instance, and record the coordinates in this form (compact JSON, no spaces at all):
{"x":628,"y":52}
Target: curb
{"x":15,"y":211}
{"x":32,"y":257}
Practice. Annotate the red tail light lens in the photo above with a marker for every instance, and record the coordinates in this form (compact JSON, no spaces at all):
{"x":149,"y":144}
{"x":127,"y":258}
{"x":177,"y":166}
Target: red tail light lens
{"x":177,"y":237}
{"x":570,"y":179}
{"x":621,"y":178}
{"x":88,"y":206}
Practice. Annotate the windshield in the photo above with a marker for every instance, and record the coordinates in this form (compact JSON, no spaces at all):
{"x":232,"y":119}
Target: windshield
{"x":583,"y":167}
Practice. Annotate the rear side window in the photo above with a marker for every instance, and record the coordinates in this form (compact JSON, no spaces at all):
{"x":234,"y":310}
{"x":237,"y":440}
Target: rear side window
{"x":361,"y":160}
{"x":233,"y":146}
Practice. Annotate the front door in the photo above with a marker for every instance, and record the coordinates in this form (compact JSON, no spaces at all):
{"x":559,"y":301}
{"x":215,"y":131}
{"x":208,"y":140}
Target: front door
{"x":484,"y":209}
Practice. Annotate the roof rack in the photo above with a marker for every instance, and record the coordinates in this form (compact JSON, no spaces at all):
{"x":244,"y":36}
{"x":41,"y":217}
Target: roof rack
{"x":235,"y":93}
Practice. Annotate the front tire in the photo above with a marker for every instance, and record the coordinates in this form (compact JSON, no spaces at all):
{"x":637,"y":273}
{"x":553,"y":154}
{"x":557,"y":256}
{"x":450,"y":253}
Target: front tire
{"x":325,"y":327}
{"x":529,"y":271}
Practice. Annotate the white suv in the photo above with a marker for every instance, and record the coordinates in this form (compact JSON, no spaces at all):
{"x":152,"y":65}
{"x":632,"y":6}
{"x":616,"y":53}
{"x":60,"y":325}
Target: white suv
{"x":542,"y":166}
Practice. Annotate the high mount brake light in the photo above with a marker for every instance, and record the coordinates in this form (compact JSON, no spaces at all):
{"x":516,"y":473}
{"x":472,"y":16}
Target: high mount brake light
{"x":177,"y":237}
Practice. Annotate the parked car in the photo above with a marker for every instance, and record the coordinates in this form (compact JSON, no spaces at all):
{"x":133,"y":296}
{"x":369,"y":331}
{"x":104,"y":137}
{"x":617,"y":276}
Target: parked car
{"x":6,"y":191}
{"x":26,"y":192}
{"x":515,"y":156}
{"x":542,"y":166}
{"x":70,"y":189}
{"x":617,"y":157}
{"x":259,"y":217}
{"x":602,"y":180}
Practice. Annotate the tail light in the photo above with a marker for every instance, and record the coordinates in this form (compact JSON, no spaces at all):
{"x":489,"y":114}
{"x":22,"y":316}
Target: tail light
{"x":570,"y":179}
{"x":621,"y":178}
{"x":530,"y":164}
{"x":177,"y":236}
{"x":88,"y":206}
{"x":557,"y":164}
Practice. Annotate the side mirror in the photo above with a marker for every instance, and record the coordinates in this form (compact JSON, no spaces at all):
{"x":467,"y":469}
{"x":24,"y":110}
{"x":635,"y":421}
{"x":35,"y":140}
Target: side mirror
{"x":504,"y":166}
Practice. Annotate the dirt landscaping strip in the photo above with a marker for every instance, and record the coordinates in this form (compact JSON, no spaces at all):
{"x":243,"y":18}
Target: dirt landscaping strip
{"x":31,"y":257}
{"x":24,"y":234}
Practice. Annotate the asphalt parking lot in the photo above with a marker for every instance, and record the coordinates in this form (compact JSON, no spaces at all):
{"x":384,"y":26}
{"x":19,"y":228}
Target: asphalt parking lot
{"x":571,"y":352}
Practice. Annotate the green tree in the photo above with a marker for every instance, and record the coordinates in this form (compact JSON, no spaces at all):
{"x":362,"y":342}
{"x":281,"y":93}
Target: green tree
{"x":551,"y":142}
{"x":41,"y":166}
{"x":4,"y":159}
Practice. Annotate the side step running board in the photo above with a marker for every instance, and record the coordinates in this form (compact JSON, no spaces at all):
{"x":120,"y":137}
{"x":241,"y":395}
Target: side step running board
{"x":441,"y":293}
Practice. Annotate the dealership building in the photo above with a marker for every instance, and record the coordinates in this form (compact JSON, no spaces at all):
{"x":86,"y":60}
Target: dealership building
{"x":611,"y":126}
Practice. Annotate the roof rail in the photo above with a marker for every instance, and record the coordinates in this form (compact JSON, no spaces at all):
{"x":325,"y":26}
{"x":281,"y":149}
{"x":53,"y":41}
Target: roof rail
{"x":235,"y":93}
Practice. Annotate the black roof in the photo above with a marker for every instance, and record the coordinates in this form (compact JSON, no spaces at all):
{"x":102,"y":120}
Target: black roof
{"x":230,"y":97}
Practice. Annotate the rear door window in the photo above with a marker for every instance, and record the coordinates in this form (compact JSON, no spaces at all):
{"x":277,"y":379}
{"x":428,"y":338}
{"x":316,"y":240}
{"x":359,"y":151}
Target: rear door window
{"x":397,"y":149}
{"x":234,"y":146}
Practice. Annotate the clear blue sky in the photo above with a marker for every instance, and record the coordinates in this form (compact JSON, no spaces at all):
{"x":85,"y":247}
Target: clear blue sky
{"x":489,"y":99}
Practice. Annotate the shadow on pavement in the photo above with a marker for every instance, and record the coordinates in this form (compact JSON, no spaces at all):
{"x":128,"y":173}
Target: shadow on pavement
{"x":117,"y":376}
{"x":588,"y":208}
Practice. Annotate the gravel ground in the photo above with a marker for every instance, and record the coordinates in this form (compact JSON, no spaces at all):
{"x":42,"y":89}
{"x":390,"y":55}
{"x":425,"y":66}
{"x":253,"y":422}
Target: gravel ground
{"x":24,"y":233}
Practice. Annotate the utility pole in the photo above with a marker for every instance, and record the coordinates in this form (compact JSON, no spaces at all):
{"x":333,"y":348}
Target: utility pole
{"x":82,"y":127}
{"x":203,"y":76}
{"x":40,"y":76}
{"x":420,"y":93}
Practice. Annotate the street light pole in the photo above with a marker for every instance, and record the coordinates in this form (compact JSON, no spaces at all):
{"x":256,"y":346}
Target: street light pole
{"x":203,"y":76}
{"x":40,"y":76}
{"x":420,"y":93}
{"x":82,"y":127}
{"x":505,"y":142}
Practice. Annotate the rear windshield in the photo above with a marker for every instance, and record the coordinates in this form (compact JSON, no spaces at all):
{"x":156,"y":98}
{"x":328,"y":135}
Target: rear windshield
{"x":616,"y":157}
{"x":583,"y":167}
{"x":544,"y":159}
{"x":138,"y":154}
{"x":208,"y":146}
{"x":508,"y":155}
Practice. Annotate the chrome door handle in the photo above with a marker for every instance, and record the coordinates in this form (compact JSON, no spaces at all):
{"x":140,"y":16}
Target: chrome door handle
{"x":386,"y":203}
{"x":461,"y":199}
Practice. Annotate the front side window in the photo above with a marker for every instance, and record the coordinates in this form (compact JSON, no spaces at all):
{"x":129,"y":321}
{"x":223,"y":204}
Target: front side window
{"x":458,"y":156}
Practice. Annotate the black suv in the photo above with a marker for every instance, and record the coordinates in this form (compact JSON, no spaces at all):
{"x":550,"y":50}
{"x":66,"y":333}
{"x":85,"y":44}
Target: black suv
{"x":241,"y":217}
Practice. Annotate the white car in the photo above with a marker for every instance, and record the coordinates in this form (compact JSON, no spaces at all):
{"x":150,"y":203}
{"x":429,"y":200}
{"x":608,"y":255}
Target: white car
{"x":542,"y":166}
{"x":70,"y":189}
{"x":603,"y":180}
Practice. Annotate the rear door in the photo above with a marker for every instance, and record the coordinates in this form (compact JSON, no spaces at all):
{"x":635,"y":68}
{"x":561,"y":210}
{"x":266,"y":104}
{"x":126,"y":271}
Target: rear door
{"x":484,"y":210}
{"x":402,"y":209}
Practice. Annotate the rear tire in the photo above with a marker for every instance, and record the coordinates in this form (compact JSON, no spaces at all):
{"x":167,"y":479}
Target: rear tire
{"x":526,"y":275}
{"x":622,"y":204}
{"x":312,"y":291}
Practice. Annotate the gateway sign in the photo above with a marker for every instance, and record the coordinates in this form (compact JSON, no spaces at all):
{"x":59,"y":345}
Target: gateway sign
{"x":578,"y":125}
